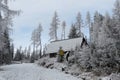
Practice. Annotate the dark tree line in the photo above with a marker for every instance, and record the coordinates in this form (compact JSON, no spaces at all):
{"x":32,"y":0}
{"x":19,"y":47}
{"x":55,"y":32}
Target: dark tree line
{"x":7,"y":52}
{"x":25,"y":55}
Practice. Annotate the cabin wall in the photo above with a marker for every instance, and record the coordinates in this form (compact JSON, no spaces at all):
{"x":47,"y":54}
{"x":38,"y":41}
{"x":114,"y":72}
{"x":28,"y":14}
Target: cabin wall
{"x":52,"y":55}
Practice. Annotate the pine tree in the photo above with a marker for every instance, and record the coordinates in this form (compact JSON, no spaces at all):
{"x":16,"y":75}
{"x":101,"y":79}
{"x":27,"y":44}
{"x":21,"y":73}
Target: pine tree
{"x":25,"y":50}
{"x":116,"y":25}
{"x":28,"y":52}
{"x":5,"y":25}
{"x":25,"y":53}
{"x":105,"y":53}
{"x":12,"y":51}
{"x":18,"y":56}
{"x":97,"y":46}
{"x":116,"y":10}
{"x":73,"y":32}
{"x":98,"y":18}
{"x":32,"y":58}
{"x":6,"y":50}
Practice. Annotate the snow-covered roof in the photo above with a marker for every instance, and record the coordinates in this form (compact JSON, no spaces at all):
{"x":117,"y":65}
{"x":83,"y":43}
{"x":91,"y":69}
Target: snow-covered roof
{"x":66,"y":45}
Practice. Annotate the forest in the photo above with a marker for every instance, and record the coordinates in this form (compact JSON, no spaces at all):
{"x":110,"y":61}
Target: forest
{"x":102,"y":57}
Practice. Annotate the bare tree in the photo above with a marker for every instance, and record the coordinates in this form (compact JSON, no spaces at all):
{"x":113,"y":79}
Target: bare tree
{"x":63,"y":30}
{"x":88,"y":22}
{"x":36,"y":39}
{"x":79,"y":24}
{"x":39,"y":44}
{"x":33,"y":39}
{"x":54,"y":27}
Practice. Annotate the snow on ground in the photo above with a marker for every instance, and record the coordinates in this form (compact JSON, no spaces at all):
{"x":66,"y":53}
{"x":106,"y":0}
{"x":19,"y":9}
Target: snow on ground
{"x":28,"y":71}
{"x":51,"y":63}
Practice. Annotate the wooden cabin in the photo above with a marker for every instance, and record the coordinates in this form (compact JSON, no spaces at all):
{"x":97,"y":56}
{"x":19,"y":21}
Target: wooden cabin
{"x":67,"y":45}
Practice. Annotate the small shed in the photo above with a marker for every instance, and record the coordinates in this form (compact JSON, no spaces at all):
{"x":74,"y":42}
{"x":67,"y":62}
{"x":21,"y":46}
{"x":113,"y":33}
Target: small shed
{"x":67,"y":45}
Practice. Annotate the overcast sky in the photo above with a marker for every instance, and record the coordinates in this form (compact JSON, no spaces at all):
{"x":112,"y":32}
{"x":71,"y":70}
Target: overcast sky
{"x":41,"y":11}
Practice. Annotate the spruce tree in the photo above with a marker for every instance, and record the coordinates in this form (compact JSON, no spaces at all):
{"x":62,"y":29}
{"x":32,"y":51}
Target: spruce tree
{"x":73,"y":32}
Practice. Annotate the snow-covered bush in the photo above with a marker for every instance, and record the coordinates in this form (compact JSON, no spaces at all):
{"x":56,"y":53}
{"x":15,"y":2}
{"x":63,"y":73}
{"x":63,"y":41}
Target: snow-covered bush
{"x":82,"y":58}
{"x":114,"y":76}
{"x":71,"y":60}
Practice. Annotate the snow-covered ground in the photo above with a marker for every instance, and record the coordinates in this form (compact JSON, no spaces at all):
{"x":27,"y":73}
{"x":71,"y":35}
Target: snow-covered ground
{"x":28,"y":71}
{"x":52,"y":64}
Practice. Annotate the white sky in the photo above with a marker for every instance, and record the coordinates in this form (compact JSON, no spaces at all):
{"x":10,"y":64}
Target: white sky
{"x":41,"y":11}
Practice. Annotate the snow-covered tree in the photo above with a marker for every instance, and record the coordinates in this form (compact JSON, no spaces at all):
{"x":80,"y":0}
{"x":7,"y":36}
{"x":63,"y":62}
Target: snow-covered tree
{"x":33,"y":39}
{"x":88,"y":23}
{"x":18,"y":56}
{"x":40,"y":29}
{"x":36,"y":39}
{"x":116,"y":20}
{"x":54,"y":27}
{"x":63,"y":30}
{"x":44,"y":49}
{"x":79,"y":24}
{"x":25,"y":50}
{"x":88,"y":19}
{"x":6,"y":50}
{"x":32,"y":57}
{"x":104,"y":55}
{"x":96,"y":27}
{"x":105,"y":47}
{"x":6,"y":15}
{"x":116,"y":24}
{"x":12,"y":50}
{"x":97,"y":32}
{"x":116,"y":10}
{"x":83,"y":59}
